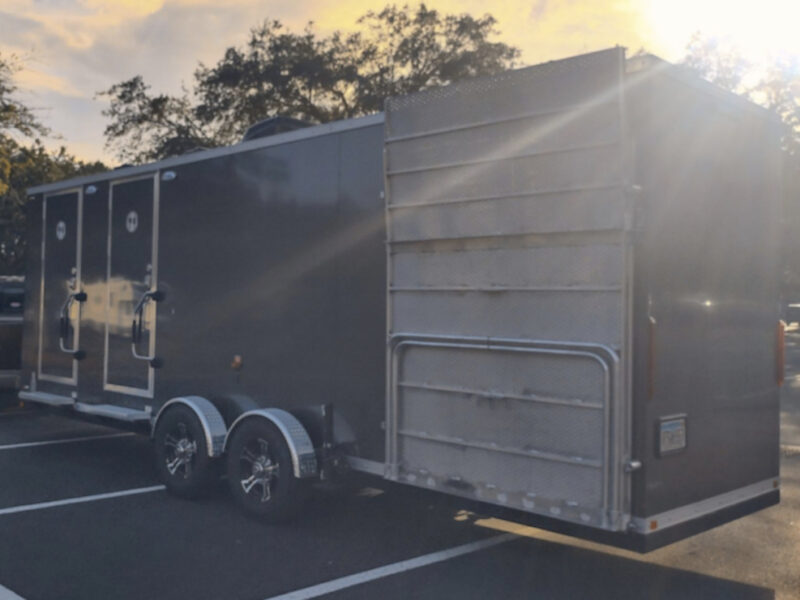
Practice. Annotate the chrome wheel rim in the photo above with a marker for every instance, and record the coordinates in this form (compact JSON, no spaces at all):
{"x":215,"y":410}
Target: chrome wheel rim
{"x":259,"y":470}
{"x":181,"y":448}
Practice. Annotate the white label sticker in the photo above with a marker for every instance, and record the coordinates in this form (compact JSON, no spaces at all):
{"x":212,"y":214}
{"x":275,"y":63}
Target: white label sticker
{"x":132,"y":221}
{"x":61,"y":230}
{"x":673,"y":435}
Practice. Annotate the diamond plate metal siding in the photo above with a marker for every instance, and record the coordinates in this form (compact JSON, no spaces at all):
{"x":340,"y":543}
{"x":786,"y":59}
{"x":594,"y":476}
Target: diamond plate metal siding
{"x":506,"y":218}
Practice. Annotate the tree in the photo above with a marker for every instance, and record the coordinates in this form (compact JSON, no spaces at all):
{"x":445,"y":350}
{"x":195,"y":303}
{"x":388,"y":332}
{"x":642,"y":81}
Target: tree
{"x":776,"y":87}
{"x":720,"y":64}
{"x":145,"y":126}
{"x":15,"y":118}
{"x":22,"y":166}
{"x":305,"y":76}
{"x":30,"y":165}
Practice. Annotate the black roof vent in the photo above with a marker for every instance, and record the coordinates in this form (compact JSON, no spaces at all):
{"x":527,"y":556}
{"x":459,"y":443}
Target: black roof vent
{"x":272,"y":126}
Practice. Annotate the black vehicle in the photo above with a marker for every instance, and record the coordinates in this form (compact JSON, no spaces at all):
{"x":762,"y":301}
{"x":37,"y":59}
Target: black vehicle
{"x":12,"y":294}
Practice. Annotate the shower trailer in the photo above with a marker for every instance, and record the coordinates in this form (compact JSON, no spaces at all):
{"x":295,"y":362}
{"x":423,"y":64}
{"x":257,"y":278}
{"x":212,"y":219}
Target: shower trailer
{"x":552,"y":292}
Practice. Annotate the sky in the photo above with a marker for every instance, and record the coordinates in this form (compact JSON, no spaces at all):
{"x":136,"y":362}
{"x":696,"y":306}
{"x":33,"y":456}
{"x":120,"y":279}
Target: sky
{"x":72,"y":49}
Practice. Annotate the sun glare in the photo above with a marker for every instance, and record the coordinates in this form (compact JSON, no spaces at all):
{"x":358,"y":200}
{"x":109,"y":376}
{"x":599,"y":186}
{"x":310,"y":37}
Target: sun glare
{"x":760,"y":30}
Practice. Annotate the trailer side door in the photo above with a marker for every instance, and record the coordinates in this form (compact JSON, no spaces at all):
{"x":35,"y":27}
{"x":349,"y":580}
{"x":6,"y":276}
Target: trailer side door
{"x":131,"y":280}
{"x":59,"y":311}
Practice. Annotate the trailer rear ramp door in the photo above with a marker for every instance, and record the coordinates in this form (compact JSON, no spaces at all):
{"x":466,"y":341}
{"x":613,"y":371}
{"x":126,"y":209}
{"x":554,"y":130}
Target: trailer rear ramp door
{"x":509,"y":289}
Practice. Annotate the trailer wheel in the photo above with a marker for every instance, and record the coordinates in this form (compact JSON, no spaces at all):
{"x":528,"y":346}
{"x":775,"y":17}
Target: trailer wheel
{"x":182,"y":463}
{"x":260,"y":473}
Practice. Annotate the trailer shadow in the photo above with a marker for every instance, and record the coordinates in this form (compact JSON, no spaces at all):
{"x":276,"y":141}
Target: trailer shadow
{"x":527,"y":567}
{"x":530,"y":568}
{"x":215,"y":551}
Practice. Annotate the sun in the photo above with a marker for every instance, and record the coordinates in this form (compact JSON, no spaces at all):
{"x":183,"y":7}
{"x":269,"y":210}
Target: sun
{"x":761,"y":31}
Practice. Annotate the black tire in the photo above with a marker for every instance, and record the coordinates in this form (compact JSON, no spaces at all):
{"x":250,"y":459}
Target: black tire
{"x":182,"y":460}
{"x":260,"y":472}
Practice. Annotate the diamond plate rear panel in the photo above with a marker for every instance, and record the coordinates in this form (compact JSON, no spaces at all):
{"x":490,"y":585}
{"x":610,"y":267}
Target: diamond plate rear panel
{"x":508,"y":279}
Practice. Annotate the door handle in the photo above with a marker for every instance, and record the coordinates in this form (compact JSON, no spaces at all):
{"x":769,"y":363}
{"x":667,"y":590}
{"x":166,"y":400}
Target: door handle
{"x":63,"y":329}
{"x":138,"y":318}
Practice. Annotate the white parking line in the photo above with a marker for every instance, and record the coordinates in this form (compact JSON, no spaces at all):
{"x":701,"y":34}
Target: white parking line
{"x":15,"y":413}
{"x":41,"y":505}
{"x":66,"y":441}
{"x":399,"y":567}
{"x":7,"y":594}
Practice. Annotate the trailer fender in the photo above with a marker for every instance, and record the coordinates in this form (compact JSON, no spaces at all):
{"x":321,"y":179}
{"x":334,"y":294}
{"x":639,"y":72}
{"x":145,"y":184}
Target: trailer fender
{"x":304,"y":459}
{"x":210,"y":418}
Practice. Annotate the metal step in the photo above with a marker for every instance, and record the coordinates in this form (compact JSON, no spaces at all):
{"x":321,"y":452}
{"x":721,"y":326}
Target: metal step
{"x":45,"y":398}
{"x":120,"y":413}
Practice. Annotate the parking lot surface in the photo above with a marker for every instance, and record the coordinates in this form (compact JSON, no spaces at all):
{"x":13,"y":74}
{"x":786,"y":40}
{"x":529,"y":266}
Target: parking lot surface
{"x":83,"y":516}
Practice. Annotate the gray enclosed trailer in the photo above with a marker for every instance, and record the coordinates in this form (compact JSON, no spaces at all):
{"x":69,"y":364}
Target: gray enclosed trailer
{"x":574,"y":321}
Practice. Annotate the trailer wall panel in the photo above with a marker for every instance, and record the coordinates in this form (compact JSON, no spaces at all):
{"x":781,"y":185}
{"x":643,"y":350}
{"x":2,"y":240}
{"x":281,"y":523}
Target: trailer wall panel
{"x":707,"y":309}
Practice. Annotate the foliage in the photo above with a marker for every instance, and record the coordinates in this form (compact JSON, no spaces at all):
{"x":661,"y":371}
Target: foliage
{"x":305,"y":76}
{"x":22,"y":166}
{"x":776,"y":87}
{"x":14,"y":115}
{"x":152,"y":126}
{"x":716,"y":62}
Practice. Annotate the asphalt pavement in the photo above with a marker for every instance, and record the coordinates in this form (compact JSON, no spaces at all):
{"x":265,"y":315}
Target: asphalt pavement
{"x":82,"y":516}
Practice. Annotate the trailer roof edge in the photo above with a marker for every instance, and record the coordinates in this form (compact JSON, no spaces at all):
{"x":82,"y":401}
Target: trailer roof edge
{"x":687,"y":76}
{"x":273,"y":140}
